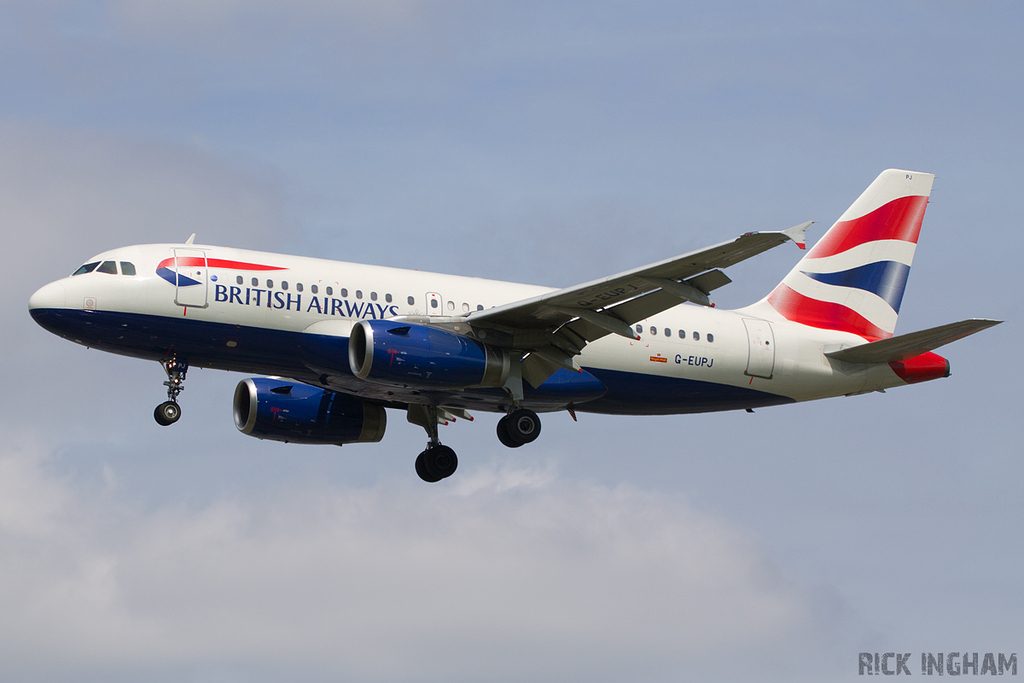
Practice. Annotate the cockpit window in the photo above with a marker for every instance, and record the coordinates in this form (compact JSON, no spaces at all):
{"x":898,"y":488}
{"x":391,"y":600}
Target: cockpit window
{"x":127,"y":268}
{"x":108,"y":267}
{"x":87,"y":268}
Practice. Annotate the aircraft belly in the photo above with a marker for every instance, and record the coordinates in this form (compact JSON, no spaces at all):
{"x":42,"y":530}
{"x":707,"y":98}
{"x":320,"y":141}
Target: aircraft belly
{"x":649,"y":377}
{"x":317,"y":359}
{"x":202,"y":343}
{"x":645,"y":394}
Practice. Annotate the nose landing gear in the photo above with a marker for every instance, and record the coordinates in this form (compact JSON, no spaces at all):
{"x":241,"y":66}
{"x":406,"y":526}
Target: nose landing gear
{"x":168,"y":412}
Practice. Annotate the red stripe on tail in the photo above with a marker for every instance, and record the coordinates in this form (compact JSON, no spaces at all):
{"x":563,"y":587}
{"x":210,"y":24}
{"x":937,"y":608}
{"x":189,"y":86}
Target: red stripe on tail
{"x":900,"y":219}
{"x":823,"y":314}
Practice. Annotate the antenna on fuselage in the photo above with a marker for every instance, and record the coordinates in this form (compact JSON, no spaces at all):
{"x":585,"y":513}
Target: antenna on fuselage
{"x":191,"y":239}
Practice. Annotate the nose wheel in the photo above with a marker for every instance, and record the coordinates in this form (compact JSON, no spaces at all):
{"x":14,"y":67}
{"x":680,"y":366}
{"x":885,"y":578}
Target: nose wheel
{"x":168,"y":412}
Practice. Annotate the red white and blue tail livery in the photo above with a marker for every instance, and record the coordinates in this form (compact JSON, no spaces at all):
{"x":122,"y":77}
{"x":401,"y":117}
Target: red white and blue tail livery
{"x":343,"y":343}
{"x":854,"y":277}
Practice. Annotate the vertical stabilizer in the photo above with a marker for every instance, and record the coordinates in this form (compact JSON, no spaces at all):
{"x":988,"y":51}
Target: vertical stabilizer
{"x":854,"y":277}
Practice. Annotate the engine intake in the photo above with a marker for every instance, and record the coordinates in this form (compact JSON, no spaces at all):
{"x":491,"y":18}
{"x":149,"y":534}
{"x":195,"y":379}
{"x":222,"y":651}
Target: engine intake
{"x":408,"y":354}
{"x":294,"y":412}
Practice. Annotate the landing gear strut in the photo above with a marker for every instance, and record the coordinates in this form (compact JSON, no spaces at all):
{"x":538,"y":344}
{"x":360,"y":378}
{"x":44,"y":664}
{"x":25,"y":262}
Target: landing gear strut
{"x":519,"y":427}
{"x":437,"y":462}
{"x":168,"y":412}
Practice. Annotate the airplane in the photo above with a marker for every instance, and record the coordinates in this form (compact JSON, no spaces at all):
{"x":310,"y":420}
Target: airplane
{"x":337,"y":344}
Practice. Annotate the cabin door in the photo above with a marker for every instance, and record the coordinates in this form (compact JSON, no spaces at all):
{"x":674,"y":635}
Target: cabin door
{"x":192,"y":284}
{"x":761,"y":348}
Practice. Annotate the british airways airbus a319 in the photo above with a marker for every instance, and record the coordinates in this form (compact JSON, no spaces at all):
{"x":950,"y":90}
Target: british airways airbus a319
{"x":339,"y":343}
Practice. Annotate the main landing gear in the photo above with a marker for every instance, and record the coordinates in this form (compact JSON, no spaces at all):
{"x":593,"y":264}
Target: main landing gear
{"x":168,"y":412}
{"x":437,"y":462}
{"x":519,"y":427}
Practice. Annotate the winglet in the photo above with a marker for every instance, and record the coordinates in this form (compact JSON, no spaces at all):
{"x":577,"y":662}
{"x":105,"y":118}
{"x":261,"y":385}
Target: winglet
{"x":191,"y":239}
{"x":797,"y":233}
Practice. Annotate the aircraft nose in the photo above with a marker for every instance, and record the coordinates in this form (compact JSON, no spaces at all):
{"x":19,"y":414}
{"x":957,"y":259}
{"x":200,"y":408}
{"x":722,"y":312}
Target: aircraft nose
{"x":52,"y":295}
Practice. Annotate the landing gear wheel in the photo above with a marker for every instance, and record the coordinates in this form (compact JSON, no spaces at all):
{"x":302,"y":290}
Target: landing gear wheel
{"x":503,"y":435}
{"x":436,"y":463}
{"x":522,"y":426}
{"x":167,"y":413}
{"x":421,"y":469}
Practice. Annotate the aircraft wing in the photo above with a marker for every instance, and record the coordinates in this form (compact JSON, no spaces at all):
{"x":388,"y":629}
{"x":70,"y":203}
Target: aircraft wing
{"x":554,"y":327}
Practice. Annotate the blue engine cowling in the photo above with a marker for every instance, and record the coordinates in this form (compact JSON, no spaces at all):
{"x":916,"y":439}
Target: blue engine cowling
{"x":408,"y":354}
{"x":294,"y":412}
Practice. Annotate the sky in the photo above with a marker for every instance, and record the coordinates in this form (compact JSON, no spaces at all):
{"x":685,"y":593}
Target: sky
{"x":542,"y":142}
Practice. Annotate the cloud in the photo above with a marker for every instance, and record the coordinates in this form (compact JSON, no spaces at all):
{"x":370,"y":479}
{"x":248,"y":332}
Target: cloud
{"x":66,"y":195}
{"x":393,"y":582}
{"x":74,"y":193}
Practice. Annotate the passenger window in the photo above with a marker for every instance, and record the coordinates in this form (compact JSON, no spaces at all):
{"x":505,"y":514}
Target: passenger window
{"x":668,"y":332}
{"x":127,"y":268}
{"x":284,"y":285}
{"x":238,"y":279}
{"x":298,"y":286}
{"x":682,"y":334}
{"x":711,"y":337}
{"x":313,"y":289}
{"x":108,"y":267}
{"x":373,"y":296}
{"x":330,"y":291}
{"x":696,"y":336}
{"x":479,"y":307}
{"x":359,"y":294}
{"x":387,"y":298}
{"x":412,"y":302}
{"x":255,"y":282}
{"x":451,"y":305}
{"x":433,"y":303}
{"x":270,"y":284}
{"x":639,"y":329}
{"x":87,"y":268}
{"x":465,"y":308}
{"x":654,"y":330}
{"x":344,"y":292}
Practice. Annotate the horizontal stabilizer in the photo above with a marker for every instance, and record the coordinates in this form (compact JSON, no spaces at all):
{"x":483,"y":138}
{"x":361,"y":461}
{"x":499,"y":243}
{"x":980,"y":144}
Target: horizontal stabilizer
{"x":907,"y":346}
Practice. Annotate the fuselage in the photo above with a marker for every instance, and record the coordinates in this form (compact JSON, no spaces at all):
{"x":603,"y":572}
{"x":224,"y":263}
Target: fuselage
{"x":262,"y":313}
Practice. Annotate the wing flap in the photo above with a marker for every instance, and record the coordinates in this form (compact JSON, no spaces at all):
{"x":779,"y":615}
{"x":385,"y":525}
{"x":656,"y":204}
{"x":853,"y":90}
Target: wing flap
{"x":907,"y":346}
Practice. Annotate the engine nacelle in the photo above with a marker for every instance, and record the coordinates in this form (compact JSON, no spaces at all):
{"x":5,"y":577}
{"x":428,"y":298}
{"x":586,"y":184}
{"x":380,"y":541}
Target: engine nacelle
{"x":294,"y":412}
{"x":408,"y":354}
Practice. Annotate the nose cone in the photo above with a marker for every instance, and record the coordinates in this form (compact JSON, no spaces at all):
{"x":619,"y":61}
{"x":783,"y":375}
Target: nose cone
{"x":52,"y":295}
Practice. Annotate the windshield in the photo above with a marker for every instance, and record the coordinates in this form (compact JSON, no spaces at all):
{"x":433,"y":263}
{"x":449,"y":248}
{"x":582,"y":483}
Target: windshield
{"x":87,"y":268}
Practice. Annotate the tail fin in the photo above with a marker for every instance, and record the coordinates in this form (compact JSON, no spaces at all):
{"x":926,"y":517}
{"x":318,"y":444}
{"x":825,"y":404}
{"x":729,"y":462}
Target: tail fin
{"x":853,"y":279}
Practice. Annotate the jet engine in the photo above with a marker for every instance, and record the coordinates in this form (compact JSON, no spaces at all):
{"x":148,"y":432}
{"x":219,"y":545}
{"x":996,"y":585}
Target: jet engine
{"x":294,"y":412}
{"x":408,"y":354}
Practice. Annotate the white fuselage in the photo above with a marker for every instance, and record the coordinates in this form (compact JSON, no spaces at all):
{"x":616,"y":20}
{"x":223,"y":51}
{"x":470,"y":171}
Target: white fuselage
{"x":265,"y":296}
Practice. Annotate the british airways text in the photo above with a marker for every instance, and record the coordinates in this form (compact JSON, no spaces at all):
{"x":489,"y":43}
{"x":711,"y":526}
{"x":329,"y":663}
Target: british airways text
{"x":250,"y":296}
